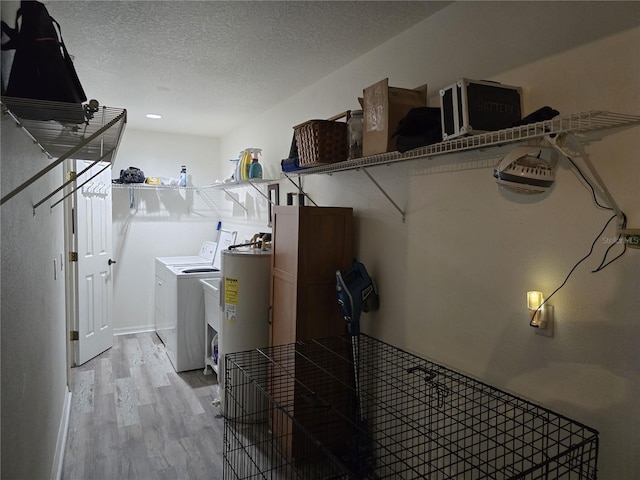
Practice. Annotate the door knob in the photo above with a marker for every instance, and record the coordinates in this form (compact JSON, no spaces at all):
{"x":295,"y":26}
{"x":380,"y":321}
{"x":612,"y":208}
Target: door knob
{"x":111,"y":261}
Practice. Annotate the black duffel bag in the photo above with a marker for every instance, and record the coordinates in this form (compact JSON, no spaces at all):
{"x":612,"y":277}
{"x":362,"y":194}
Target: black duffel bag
{"x":131,"y":175}
{"x":42,"y":68}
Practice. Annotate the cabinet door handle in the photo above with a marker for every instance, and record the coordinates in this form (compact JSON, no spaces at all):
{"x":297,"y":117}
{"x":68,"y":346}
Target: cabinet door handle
{"x":269,"y":313}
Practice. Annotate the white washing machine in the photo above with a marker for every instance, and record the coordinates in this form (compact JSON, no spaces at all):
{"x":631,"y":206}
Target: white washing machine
{"x":205,"y":257}
{"x":179,"y":303}
{"x":163,"y":293}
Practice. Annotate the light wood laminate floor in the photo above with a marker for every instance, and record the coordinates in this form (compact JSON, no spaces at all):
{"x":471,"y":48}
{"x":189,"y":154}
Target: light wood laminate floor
{"x":133,"y":417}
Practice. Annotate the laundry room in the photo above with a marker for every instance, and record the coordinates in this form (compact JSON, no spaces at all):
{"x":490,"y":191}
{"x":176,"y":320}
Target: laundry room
{"x":464,"y":243}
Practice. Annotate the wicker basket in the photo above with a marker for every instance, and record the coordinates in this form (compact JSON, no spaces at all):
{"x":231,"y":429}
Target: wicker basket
{"x":322,"y":142}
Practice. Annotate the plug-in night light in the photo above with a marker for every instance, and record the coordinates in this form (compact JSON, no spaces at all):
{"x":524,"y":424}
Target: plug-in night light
{"x":534,"y":300}
{"x":540,"y":313}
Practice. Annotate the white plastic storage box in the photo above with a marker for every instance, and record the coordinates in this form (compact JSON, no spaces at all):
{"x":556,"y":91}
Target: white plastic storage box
{"x":477,"y":106}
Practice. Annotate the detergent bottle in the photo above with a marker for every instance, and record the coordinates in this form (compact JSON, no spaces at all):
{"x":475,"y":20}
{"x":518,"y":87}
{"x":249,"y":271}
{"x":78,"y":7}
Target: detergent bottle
{"x":245,"y":164}
{"x":255,"y":170}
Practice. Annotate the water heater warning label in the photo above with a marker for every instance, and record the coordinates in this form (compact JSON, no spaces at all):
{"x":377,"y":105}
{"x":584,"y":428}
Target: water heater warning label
{"x":230,"y":299}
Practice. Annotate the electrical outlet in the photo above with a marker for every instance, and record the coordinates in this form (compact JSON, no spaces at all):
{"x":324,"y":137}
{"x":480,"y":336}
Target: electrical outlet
{"x":633,"y":241}
{"x":547,"y":331}
{"x":631,"y":237}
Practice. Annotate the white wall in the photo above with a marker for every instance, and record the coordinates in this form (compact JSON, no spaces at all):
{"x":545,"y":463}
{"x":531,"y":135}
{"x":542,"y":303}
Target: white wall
{"x":453,"y":278}
{"x":34,"y":367}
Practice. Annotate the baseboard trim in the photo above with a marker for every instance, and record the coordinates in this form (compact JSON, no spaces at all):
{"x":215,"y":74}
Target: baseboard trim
{"x":61,"y":443}
{"x":131,"y":330}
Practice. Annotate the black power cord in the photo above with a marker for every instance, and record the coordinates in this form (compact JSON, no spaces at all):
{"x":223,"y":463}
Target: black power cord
{"x":593,"y":191}
{"x":574,"y":268}
{"x":602,"y":265}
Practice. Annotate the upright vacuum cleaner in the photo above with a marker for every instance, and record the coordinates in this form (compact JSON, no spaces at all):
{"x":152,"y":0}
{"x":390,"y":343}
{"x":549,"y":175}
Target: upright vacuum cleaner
{"x":357,"y":292}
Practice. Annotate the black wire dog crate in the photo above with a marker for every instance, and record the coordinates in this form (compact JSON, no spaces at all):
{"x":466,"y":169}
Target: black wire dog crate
{"x":342,"y":408}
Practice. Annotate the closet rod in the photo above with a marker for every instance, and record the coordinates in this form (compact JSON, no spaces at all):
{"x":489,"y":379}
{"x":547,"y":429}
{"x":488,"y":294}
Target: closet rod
{"x":60,"y":159}
{"x":72,"y":180}
{"x":108,"y":165}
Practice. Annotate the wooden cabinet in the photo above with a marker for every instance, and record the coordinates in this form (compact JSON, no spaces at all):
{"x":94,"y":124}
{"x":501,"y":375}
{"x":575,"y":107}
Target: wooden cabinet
{"x":309,"y":245}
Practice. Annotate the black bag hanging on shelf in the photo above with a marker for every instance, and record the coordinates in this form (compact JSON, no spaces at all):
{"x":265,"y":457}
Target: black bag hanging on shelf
{"x":131,"y":175}
{"x":42,"y":68}
{"x":420,"y":127}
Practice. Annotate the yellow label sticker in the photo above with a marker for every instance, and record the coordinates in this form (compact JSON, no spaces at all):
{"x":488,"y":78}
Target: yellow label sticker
{"x":231,"y":291}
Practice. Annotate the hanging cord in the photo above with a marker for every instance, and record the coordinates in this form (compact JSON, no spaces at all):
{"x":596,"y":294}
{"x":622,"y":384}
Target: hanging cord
{"x":603,"y":265}
{"x":593,"y":191}
{"x":576,"y":266}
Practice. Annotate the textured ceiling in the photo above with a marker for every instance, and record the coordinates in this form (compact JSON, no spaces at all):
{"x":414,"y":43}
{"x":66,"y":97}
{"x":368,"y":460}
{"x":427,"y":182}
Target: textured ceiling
{"x":208,"y":65}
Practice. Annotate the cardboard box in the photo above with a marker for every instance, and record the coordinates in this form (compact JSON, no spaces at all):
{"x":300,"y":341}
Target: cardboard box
{"x":477,"y":106}
{"x":384,"y":107}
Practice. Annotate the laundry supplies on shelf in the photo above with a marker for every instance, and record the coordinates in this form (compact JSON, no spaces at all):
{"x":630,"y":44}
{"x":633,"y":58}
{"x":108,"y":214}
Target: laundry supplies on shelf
{"x":255,"y":169}
{"x":248,"y":166}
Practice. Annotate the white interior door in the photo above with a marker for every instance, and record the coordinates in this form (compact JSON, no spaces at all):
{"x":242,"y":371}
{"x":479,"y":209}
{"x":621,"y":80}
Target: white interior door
{"x":95,"y":265}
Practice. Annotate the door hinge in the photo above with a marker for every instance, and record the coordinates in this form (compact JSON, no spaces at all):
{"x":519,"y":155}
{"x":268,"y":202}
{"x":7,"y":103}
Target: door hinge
{"x":73,"y":256}
{"x":71,"y":175}
{"x":74,"y":335}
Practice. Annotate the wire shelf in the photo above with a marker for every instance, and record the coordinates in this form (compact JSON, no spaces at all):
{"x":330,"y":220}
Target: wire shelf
{"x":309,"y":411}
{"x":66,"y":131}
{"x":587,"y":126}
{"x":146,"y":186}
{"x":61,"y":127}
{"x":213,"y":186}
